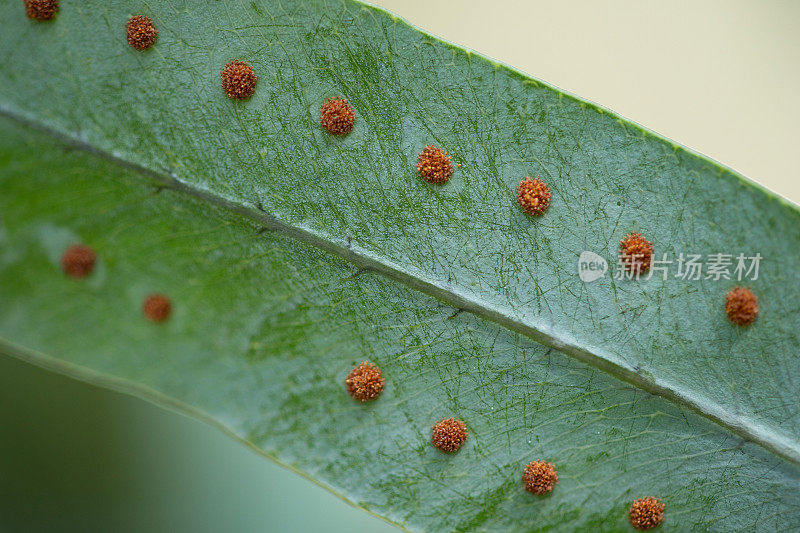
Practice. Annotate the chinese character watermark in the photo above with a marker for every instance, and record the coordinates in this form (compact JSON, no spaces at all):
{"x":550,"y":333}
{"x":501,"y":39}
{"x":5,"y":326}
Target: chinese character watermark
{"x":687,"y":267}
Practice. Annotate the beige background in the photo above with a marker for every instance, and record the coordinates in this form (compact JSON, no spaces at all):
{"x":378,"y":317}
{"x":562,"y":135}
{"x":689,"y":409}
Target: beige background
{"x":721,"y":77}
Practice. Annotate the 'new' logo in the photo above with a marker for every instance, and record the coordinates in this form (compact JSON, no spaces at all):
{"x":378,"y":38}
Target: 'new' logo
{"x":591,"y":267}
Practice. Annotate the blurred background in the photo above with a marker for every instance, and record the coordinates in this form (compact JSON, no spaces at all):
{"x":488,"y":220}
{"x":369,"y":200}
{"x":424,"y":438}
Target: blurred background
{"x":720,"y":77}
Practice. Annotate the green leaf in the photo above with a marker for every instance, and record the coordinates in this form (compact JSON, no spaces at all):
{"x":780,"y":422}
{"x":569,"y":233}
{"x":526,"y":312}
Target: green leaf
{"x":291,"y":256}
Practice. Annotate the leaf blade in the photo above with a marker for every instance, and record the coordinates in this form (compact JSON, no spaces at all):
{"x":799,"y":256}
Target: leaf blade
{"x":280,"y":386}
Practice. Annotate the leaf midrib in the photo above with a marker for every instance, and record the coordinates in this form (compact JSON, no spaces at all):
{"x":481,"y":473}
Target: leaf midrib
{"x":747,"y":429}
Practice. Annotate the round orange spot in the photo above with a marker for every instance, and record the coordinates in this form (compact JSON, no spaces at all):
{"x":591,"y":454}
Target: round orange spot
{"x":636,"y":252}
{"x":449,"y":435}
{"x":238,"y":80}
{"x":41,"y":10}
{"x":434,"y":165}
{"x":533,"y":196}
{"x":337,"y":116}
{"x":741,"y":306}
{"x":646,"y":513}
{"x":78,"y":260}
{"x":364,"y":382}
{"x":157,"y":307}
{"x":539,"y":477}
{"x":141,"y":32}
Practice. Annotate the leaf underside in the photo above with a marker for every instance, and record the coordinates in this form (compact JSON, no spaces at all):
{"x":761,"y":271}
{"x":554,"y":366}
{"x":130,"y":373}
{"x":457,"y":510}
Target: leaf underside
{"x":291,"y":256}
